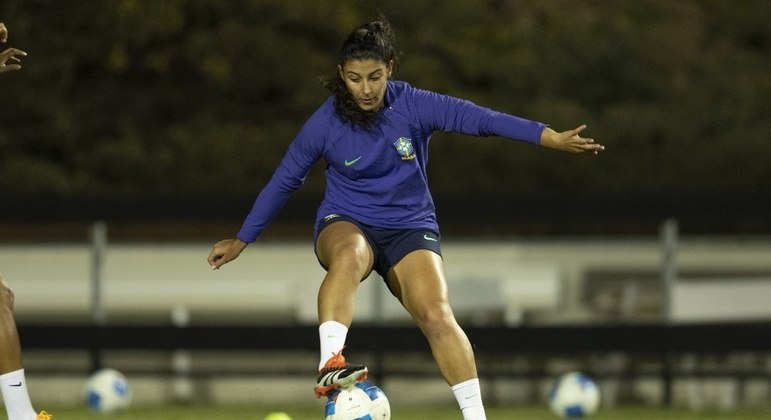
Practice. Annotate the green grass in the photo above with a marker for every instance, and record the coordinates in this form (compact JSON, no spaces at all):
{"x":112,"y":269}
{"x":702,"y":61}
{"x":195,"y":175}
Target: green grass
{"x":401,"y":413}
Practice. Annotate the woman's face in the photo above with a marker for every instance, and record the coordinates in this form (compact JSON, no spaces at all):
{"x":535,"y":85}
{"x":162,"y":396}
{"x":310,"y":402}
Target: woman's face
{"x":366,"y":81}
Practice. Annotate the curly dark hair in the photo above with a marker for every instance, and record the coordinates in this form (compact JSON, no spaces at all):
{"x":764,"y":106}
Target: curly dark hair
{"x":373,"y":40}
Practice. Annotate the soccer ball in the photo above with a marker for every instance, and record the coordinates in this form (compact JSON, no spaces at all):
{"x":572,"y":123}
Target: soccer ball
{"x":363,"y":401}
{"x":277,"y":415}
{"x":574,"y":395}
{"x":107,"y":391}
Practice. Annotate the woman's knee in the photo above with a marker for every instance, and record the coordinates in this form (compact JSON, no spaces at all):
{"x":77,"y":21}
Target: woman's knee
{"x":351,"y":257}
{"x":342,"y":246}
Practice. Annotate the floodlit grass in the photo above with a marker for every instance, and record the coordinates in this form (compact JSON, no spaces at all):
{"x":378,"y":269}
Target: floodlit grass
{"x":400,"y":413}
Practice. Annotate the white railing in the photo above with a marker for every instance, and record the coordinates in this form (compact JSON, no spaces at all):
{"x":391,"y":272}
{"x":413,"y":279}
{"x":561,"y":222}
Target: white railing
{"x":108,"y":282}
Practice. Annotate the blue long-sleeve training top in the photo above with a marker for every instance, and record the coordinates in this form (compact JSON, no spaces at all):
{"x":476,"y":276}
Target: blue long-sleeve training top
{"x":378,"y":176}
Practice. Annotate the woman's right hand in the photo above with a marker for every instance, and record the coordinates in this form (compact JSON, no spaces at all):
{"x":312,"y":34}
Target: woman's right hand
{"x":225,"y":251}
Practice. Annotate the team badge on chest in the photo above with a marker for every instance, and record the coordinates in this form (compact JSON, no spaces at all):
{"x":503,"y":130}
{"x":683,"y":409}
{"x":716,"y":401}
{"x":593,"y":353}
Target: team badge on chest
{"x":404,"y":147}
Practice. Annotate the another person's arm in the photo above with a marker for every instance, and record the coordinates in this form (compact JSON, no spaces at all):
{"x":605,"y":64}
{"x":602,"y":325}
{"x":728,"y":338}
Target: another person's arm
{"x":10,"y":54}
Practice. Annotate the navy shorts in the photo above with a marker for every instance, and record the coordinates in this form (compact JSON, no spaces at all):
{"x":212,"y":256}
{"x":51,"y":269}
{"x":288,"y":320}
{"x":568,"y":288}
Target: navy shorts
{"x":388,"y":245}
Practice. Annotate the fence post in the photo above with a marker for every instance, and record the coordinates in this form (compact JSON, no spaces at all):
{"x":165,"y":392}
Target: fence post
{"x":669,"y":243}
{"x":181,"y":360}
{"x":98,"y":236}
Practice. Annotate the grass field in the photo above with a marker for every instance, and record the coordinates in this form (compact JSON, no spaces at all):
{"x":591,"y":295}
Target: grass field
{"x":407,"y":413}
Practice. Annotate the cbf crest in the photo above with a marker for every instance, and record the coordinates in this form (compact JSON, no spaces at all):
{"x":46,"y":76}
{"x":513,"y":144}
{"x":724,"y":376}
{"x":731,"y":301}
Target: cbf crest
{"x":404,"y":147}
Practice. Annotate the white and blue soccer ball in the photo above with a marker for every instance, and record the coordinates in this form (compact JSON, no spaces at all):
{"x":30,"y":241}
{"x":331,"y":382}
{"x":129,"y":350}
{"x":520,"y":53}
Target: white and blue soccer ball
{"x":363,"y":401}
{"x":574,"y":395}
{"x":107,"y":391}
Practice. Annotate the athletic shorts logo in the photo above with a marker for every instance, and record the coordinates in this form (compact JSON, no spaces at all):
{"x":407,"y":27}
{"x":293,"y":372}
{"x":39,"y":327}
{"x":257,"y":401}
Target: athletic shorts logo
{"x":330,"y":217}
{"x":404,"y":147}
{"x":429,"y":238}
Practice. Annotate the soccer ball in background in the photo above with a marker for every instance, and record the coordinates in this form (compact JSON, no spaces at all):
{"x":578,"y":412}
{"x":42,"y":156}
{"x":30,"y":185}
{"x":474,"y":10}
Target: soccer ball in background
{"x":574,"y":395}
{"x":363,"y":401}
{"x":107,"y":391}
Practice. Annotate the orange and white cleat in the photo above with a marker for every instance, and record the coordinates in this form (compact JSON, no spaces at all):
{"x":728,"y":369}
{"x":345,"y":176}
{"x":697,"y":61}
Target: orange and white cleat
{"x":337,"y":373}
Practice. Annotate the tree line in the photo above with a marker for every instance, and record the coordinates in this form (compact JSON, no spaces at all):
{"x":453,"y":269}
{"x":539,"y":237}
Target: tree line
{"x":203,"y":96}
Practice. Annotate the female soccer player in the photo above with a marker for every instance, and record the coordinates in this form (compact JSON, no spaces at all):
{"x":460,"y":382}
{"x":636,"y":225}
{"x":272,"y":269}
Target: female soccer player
{"x":377,"y":212}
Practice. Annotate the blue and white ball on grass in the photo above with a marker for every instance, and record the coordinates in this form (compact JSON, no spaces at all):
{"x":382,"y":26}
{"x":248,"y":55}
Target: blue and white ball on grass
{"x":574,"y":395}
{"x":107,"y":391}
{"x":363,"y":401}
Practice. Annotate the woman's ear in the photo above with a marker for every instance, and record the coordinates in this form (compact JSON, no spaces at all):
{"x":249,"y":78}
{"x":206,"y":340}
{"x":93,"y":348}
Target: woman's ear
{"x":340,"y":71}
{"x":390,"y":68}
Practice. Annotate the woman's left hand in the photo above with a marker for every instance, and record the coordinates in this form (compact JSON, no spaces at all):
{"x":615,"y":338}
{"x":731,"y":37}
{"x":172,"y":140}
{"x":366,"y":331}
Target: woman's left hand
{"x":570,"y":141}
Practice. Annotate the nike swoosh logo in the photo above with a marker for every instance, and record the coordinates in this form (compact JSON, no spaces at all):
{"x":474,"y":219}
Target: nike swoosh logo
{"x":352,"y":161}
{"x":471,"y":396}
{"x":15,"y":385}
{"x":428,"y":238}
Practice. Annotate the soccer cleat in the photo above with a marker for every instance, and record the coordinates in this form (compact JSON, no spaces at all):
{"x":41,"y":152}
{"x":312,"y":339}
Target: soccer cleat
{"x":337,"y":373}
{"x":44,"y":416}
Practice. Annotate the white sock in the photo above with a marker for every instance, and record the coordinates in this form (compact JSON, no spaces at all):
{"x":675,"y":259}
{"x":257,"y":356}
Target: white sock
{"x":469,"y":397}
{"x":16,"y":397}
{"x":331,"y":339}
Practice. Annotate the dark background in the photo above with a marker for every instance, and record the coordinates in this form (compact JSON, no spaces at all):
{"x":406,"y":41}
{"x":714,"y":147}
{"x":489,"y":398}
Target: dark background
{"x":165,"y":118}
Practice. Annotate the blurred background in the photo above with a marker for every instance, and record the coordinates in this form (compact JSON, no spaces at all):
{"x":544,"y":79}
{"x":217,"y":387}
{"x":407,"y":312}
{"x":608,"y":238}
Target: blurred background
{"x":179,"y":111}
{"x":163,"y":120}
